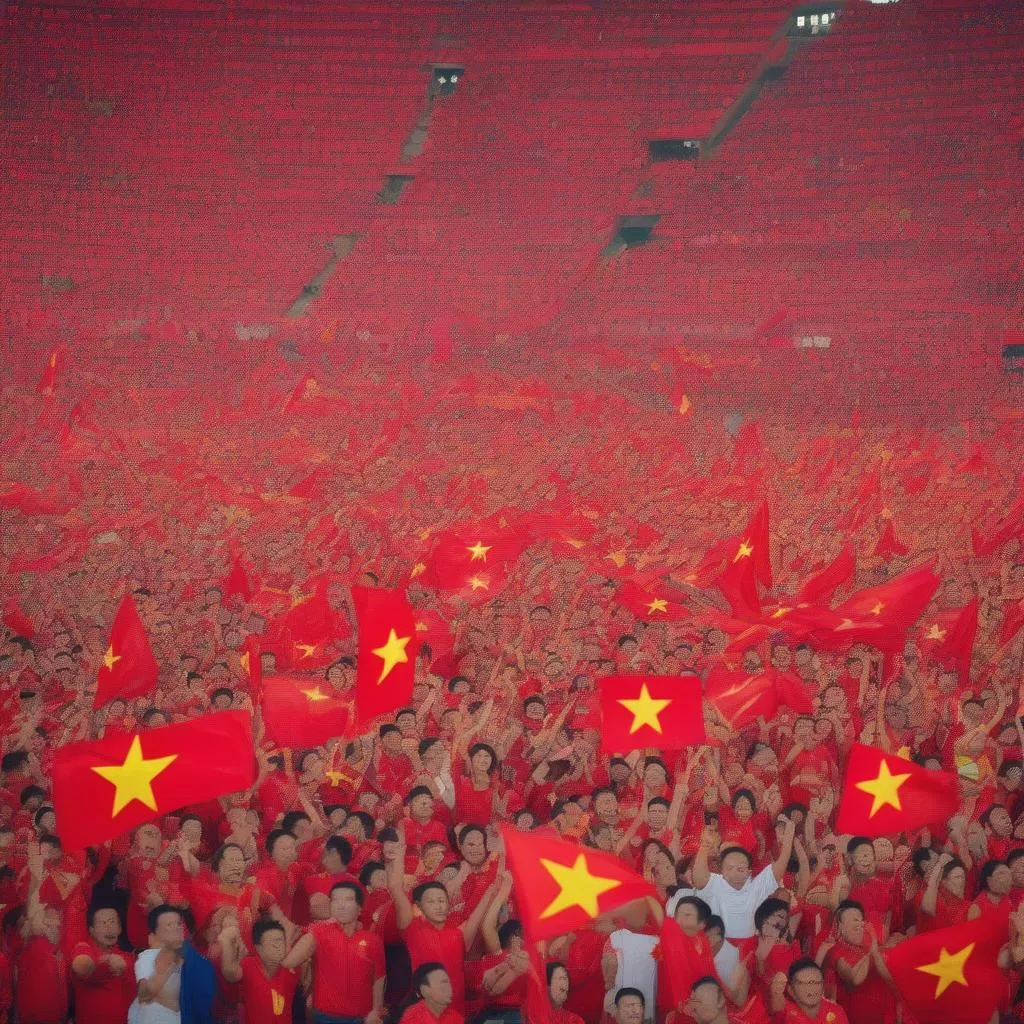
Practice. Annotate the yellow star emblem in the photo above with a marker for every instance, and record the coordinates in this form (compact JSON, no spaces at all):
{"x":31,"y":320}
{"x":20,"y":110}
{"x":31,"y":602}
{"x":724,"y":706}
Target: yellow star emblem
{"x":745,"y":550}
{"x":391,"y":654}
{"x":659,"y":604}
{"x":133,"y":780}
{"x":110,"y":659}
{"x":877,"y":609}
{"x":305,"y":650}
{"x":780,"y":612}
{"x":574,"y":543}
{"x":949,"y":968}
{"x":334,"y":778}
{"x":934,"y":633}
{"x":421,"y":627}
{"x":477,"y":583}
{"x":315,"y":695}
{"x":243,"y":660}
{"x":618,"y":557}
{"x":645,"y":710}
{"x":885,"y":789}
{"x":298,"y":599}
{"x":478,"y":551}
{"x":424,"y":534}
{"x":577,"y":887}
{"x":418,"y":569}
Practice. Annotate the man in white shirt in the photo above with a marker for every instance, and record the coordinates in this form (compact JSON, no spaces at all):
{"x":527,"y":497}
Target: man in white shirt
{"x":734,"y":892}
{"x":627,"y":962}
{"x":158,"y":970}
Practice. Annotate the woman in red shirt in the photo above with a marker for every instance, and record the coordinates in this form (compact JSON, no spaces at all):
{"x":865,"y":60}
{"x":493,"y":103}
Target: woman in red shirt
{"x":558,"y":993}
{"x":477,"y":790}
{"x":943,"y":903}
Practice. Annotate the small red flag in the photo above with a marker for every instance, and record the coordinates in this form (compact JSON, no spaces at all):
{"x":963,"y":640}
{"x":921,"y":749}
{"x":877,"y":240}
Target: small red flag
{"x":303,"y":712}
{"x":952,"y":976}
{"x":948,"y":638}
{"x":651,"y":711}
{"x":236,"y":581}
{"x":741,"y":697}
{"x":104,"y":788}
{"x":824,"y":583}
{"x":561,"y":887}
{"x":387,"y":651}
{"x":650,"y":604}
{"x":16,"y":620}
{"x":129,"y":668}
{"x":888,"y":544}
{"x":49,"y":375}
{"x":884,"y":794}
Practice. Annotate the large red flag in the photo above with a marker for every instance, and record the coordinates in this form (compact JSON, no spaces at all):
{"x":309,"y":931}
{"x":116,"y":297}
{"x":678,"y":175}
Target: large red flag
{"x":561,"y":887}
{"x":482,"y":551}
{"x":303,"y":712}
{"x":129,"y":668}
{"x":650,"y":711}
{"x":884,"y":795}
{"x":652,"y":604}
{"x":387,"y":651}
{"x":952,"y":976}
{"x":104,"y":788}
{"x":948,"y":638}
{"x":822,"y":585}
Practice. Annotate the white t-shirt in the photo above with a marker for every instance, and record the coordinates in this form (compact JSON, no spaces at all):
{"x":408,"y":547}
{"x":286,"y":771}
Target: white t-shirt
{"x":737,"y":906}
{"x":636,"y":968}
{"x":673,"y":901}
{"x":726,"y":961}
{"x":154,"y":1013}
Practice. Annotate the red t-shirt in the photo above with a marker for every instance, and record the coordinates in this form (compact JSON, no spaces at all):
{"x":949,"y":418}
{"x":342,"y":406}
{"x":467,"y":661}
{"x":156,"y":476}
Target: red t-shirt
{"x":281,"y":886}
{"x":876,"y":897}
{"x":41,"y":996}
{"x":419,"y":1013}
{"x":446,"y":945}
{"x":871,"y":1000}
{"x":267,"y":1000}
{"x":345,"y":969}
{"x":828,"y":1013}
{"x":103,"y":996}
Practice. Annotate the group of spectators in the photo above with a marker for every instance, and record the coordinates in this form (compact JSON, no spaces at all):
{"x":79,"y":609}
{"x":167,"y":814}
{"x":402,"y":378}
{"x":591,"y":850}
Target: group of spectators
{"x":365,"y":880}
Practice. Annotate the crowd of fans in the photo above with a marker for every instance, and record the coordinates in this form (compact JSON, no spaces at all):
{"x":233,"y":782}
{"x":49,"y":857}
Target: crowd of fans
{"x":365,"y":880}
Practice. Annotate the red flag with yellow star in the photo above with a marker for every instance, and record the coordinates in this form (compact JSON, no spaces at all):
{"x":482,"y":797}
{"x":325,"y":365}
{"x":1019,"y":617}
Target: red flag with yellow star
{"x":650,"y":603}
{"x":884,"y":794}
{"x":484,"y":551}
{"x":952,"y":976}
{"x":302,"y":712}
{"x":948,"y":638}
{"x":104,"y":788}
{"x":387,"y":651}
{"x":561,"y":887}
{"x":741,"y":697}
{"x":128,"y":669}
{"x":650,"y":711}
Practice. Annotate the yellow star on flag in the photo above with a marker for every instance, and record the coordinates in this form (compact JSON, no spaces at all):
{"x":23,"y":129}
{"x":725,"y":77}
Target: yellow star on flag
{"x":934,"y":633}
{"x":421,"y":627}
{"x":417,"y":570}
{"x":334,"y":777}
{"x":306,"y":650}
{"x":618,"y":557}
{"x":391,"y":653}
{"x":244,"y":662}
{"x":315,"y":695}
{"x":133,"y":780}
{"x":949,"y":968}
{"x":780,"y":612}
{"x":479,"y":551}
{"x":477,"y":583}
{"x":877,"y":610}
{"x":659,"y":604}
{"x":110,"y":658}
{"x":745,"y":550}
{"x":885,"y":789}
{"x":298,"y":599}
{"x":577,"y":887}
{"x":645,"y":710}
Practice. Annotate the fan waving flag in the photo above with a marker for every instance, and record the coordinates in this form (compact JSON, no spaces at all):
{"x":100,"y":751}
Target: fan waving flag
{"x":884,"y":794}
{"x":952,"y":976}
{"x":561,"y":887}
{"x":129,"y":668}
{"x":651,"y":711}
{"x":387,"y":651}
{"x":948,"y":638}
{"x":741,"y":697}
{"x":104,"y":788}
{"x":303,"y":712}
{"x":823,"y":584}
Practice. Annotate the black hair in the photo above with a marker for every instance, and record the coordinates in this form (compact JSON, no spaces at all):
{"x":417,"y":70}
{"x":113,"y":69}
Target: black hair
{"x":510,"y":930}
{"x":919,"y":857}
{"x":421,"y":977}
{"x":988,"y":869}
{"x":845,"y":905}
{"x":364,"y":819}
{"x":387,"y":728}
{"x":703,"y":910}
{"x":291,"y":819}
{"x":367,"y":870}
{"x":263,"y":925}
{"x":477,"y":747}
{"x":29,"y":792}
{"x":272,"y":837}
{"x":740,"y":793}
{"x":418,"y":791}
{"x":554,"y":965}
{"x":222,"y":691}
{"x":354,"y":887}
{"x":707,"y":979}
{"x":736,"y":849}
{"x":467,"y":830}
{"x":95,"y":908}
{"x":219,"y":855}
{"x":713,"y":922}
{"x":658,"y":801}
{"x":153,"y":918}
{"x":13,"y":761}
{"x":856,"y":842}
{"x":1013,"y":856}
{"x":802,"y":965}
{"x":766,"y":908}
{"x":341,"y":846}
{"x":426,"y":743}
{"x":629,"y":991}
{"x":424,"y":887}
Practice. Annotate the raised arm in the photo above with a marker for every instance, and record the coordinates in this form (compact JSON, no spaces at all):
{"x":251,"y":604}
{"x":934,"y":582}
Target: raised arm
{"x":231,"y":954}
{"x":782,"y":861}
{"x":471,"y":925}
{"x":394,"y":869}
{"x":489,"y":924}
{"x":701,"y":873}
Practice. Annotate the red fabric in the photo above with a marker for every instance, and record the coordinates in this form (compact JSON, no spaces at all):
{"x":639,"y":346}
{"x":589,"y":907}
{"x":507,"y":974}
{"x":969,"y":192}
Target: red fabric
{"x":385,"y":619}
{"x":133,"y":670}
{"x":680,"y":722}
{"x":419,"y":1013}
{"x":300,"y":712}
{"x":103,"y":996}
{"x":345,"y":968}
{"x":446,"y":945}
{"x":266,"y":1000}
{"x":41,"y":996}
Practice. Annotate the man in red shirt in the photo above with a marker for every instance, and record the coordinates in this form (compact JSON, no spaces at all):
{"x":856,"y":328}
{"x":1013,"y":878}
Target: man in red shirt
{"x":316,"y":886}
{"x":873,"y":892}
{"x":267,"y":988}
{"x":429,"y":936}
{"x":102,"y":974}
{"x":806,"y":1003}
{"x":348,"y":961}
{"x":283,"y":874}
{"x":421,"y":827}
{"x":434,"y":997}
